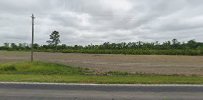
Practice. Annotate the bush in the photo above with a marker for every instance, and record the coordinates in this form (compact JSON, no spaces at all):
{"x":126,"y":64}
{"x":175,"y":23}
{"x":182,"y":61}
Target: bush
{"x":8,"y":68}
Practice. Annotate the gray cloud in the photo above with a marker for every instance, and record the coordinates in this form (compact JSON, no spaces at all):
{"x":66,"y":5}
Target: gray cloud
{"x":97,"y":21}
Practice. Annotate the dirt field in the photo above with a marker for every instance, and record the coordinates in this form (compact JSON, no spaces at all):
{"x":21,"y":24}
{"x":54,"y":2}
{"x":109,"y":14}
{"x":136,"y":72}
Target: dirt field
{"x":187,"y":65}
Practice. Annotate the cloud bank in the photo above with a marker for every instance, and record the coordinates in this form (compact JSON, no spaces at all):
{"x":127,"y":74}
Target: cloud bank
{"x":96,"y":21}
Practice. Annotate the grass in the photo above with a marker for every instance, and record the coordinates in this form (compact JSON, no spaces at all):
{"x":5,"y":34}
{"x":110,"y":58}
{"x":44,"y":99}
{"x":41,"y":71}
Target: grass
{"x":39,"y":68}
{"x":46,"y":72}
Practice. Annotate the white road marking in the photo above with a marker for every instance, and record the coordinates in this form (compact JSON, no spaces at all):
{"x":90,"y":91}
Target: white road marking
{"x":86,"y":84}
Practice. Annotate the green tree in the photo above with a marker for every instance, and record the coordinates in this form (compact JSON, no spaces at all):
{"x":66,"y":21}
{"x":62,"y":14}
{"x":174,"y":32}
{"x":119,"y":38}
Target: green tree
{"x":6,"y":45}
{"x":36,"y":46}
{"x":14,"y":46}
{"x":192,"y":44}
{"x":175,"y":44}
{"x":54,"y":39}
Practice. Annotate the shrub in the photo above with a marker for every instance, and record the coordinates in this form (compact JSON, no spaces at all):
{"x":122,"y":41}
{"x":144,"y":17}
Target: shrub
{"x":8,"y":68}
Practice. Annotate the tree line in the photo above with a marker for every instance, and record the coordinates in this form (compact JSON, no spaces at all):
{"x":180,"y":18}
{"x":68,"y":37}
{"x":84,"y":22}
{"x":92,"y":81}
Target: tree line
{"x":169,"y":47}
{"x":173,"y":47}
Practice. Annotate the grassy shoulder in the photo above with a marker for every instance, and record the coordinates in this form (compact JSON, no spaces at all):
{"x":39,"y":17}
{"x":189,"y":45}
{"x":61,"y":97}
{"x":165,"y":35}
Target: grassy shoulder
{"x":45,"y":72}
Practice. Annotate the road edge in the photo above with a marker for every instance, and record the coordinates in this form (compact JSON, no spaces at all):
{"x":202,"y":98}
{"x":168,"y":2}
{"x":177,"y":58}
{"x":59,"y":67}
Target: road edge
{"x":87,"y":84}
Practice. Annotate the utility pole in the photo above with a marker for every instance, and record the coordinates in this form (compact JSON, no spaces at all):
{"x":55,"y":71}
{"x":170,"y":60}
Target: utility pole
{"x":32,"y":51}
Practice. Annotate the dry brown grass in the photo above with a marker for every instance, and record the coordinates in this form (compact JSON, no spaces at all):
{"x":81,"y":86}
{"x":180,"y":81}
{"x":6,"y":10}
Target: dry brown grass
{"x":151,"y":64}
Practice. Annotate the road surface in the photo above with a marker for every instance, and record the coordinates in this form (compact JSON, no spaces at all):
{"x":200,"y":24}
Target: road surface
{"x":28,"y":91}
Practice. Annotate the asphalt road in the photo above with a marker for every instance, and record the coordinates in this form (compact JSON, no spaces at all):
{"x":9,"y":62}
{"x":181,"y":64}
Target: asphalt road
{"x":26,"y":91}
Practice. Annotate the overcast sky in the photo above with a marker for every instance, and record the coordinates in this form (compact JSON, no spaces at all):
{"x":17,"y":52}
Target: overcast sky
{"x":97,"y":21}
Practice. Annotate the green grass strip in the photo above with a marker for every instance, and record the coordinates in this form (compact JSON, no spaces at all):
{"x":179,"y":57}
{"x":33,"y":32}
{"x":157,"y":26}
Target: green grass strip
{"x":56,"y":73}
{"x":103,"y":79}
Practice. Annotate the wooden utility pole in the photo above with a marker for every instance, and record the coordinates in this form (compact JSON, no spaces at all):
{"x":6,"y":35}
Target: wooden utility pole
{"x":32,"y":51}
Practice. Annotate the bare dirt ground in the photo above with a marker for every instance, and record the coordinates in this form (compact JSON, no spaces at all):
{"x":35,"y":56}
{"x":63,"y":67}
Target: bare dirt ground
{"x":151,"y":64}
